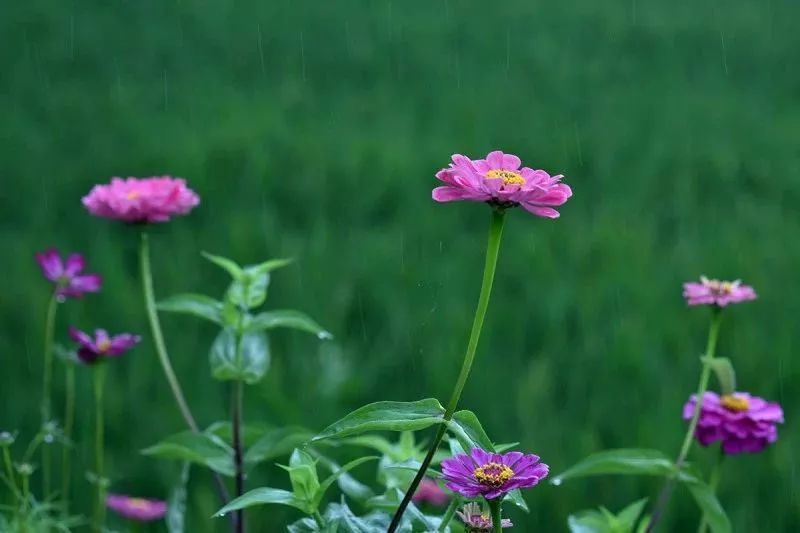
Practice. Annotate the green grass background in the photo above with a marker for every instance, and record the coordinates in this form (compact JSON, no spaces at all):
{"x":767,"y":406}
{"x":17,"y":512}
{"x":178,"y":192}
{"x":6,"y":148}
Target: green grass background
{"x":313,"y":130}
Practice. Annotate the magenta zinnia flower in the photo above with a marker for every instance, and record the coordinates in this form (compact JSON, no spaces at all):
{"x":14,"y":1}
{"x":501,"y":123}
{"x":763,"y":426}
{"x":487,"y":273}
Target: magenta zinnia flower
{"x":430,"y":491}
{"x":492,"y":475}
{"x":501,"y":180}
{"x":716,"y":292}
{"x":476,"y":521}
{"x":69,"y":281}
{"x":138,"y":509}
{"x":154,"y":199}
{"x":743,"y":423}
{"x":102,"y":345}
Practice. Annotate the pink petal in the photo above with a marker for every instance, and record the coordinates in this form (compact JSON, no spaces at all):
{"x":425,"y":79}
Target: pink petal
{"x":50,"y":263}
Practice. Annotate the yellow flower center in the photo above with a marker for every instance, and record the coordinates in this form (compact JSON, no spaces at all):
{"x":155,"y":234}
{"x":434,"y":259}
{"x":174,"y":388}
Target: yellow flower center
{"x":139,"y":503}
{"x":735,"y":403}
{"x":720,"y":287}
{"x":132,"y":195}
{"x":508,"y":177}
{"x":493,"y":474}
{"x":103,"y":346}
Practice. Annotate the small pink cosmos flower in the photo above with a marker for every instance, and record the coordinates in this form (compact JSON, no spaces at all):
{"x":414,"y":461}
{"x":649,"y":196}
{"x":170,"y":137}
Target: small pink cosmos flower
{"x":141,"y":200}
{"x":476,"y":521}
{"x":743,"y":423}
{"x":69,"y":281}
{"x":92,"y":350}
{"x":430,"y":491}
{"x":138,"y":509}
{"x":716,"y":292}
{"x":501,"y":180}
{"x":492,"y":475}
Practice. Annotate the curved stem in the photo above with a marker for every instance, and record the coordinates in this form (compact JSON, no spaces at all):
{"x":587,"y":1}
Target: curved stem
{"x":495,"y":508}
{"x":448,"y":514}
{"x":705,"y":375}
{"x":69,"y":421}
{"x":713,"y":483}
{"x":492,"y":251}
{"x":47,"y":385}
{"x":100,"y":503}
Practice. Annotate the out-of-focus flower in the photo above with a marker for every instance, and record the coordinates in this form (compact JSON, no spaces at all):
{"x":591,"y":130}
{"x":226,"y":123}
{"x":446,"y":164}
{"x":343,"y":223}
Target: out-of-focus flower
{"x":138,"y":509}
{"x":716,"y":292}
{"x":476,"y":521}
{"x":67,"y":276}
{"x":155,"y":199}
{"x":92,"y":350}
{"x":501,"y":180}
{"x":430,"y":491}
{"x":492,"y":475}
{"x":743,"y":423}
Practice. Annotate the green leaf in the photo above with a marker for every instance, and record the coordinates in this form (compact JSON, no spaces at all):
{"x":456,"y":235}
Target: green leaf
{"x":628,"y":517}
{"x":276,"y":443}
{"x":325,"y":485}
{"x":176,"y":510}
{"x":469,"y":432}
{"x":303,"y":475}
{"x":198,"y":305}
{"x":624,"y":461}
{"x":249,"y":366}
{"x":709,"y":504}
{"x":250,"y":433}
{"x":723,"y":369}
{"x":287,"y":318}
{"x":386,"y":416}
{"x":198,"y":448}
{"x":230,"y":266}
{"x":264,"y":496}
{"x":341,"y":515}
{"x":268,"y":266}
{"x":588,"y":521}
{"x":349,"y":485}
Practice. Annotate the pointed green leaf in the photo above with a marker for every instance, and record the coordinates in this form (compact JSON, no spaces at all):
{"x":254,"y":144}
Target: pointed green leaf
{"x":198,"y":305}
{"x":196,"y":448}
{"x":325,"y":485}
{"x":176,"y":510}
{"x":709,"y":505}
{"x":386,"y":416}
{"x":287,"y":318}
{"x":629,"y":516}
{"x":230,"y":266}
{"x":349,"y":485}
{"x":470,"y":433}
{"x":303,"y":475}
{"x":623,"y":461}
{"x":264,"y":496}
{"x":276,"y":443}
{"x":249,"y":365}
{"x":268,"y":266}
{"x":723,"y":369}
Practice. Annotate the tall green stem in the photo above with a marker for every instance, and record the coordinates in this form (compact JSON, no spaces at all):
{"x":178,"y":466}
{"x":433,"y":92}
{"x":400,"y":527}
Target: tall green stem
{"x":99,"y":447}
{"x":705,"y":375}
{"x":713,"y":483}
{"x":492,"y":251}
{"x":69,"y":422}
{"x":495,"y":509}
{"x":238,"y":458}
{"x":448,"y":514}
{"x":47,"y":385}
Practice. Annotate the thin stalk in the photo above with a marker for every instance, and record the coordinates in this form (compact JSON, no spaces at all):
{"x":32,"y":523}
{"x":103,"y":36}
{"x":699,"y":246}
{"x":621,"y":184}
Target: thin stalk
{"x":713,"y":483}
{"x":26,"y":497}
{"x":161,"y":351}
{"x":495,"y":508}
{"x":705,"y":375}
{"x":492,"y":252}
{"x":47,"y":385}
{"x":12,"y":483}
{"x":319,"y":520}
{"x":238,"y":392}
{"x":448,"y":514}
{"x":69,"y":422}
{"x":99,"y":448}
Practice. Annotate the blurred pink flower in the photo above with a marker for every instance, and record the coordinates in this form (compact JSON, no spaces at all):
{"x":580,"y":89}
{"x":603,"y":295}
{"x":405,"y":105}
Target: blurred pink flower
{"x":429,"y":491}
{"x":137,"y":509}
{"x":69,"y":281}
{"x":154,"y":199}
{"x":91,"y":350}
{"x":716,"y":292}
{"x":501,"y":180}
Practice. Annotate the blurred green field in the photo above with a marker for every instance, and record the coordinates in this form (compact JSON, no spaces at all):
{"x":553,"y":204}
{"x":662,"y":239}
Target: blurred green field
{"x":313,"y":130}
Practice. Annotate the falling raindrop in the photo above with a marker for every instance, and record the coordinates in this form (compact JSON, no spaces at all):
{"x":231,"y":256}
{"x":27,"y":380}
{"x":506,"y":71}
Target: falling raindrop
{"x":325,"y":335}
{"x":556,"y":481}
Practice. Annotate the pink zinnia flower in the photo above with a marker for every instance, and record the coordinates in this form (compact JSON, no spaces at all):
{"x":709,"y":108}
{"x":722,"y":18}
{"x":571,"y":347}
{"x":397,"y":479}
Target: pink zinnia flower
{"x":154,"y":199}
{"x":716,"y":292}
{"x":138,"y":509}
{"x":430,"y":491}
{"x":476,"y":521}
{"x":743,"y":423}
{"x":501,"y":180}
{"x":69,"y":281}
{"x":92,"y":350}
{"x":492,"y":475}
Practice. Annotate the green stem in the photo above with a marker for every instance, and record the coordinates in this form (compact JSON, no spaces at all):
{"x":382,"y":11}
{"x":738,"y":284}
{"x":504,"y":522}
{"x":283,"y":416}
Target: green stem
{"x":713,"y":483}
{"x":47,"y":385}
{"x":318,"y":518}
{"x":492,"y":252}
{"x":12,"y":483}
{"x":69,"y":422}
{"x":238,"y":457}
{"x":705,"y":375}
{"x":495,"y":508}
{"x":448,"y":514}
{"x":100,"y":503}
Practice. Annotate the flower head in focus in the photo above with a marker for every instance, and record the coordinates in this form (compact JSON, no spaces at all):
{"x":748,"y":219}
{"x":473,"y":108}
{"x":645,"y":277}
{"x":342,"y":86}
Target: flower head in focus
{"x":67,"y":275}
{"x":741,"y":422}
{"x":716,"y":292}
{"x":92,"y":350}
{"x":138,"y":509}
{"x":476,"y":521}
{"x":492,"y":475}
{"x":430,"y":491}
{"x":501,"y":180}
{"x":141,"y":200}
